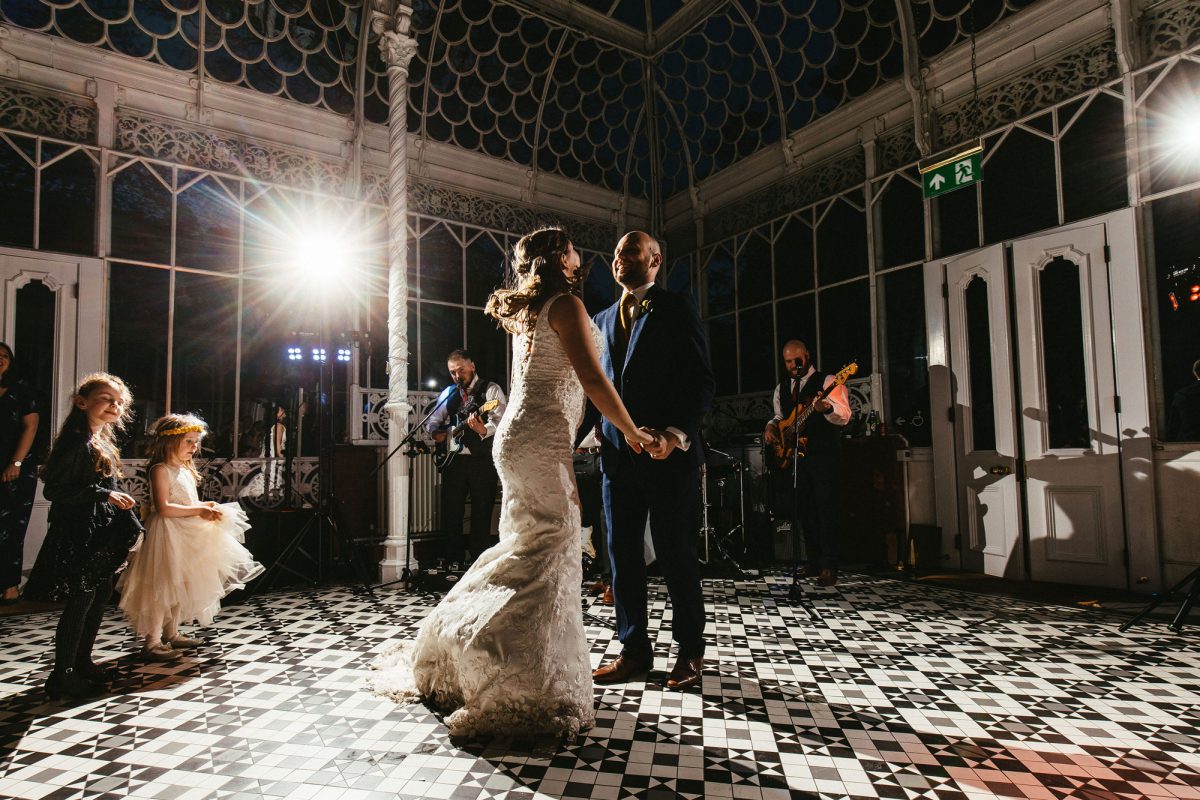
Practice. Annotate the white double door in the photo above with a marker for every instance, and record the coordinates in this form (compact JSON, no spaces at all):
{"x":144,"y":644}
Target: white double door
{"x":51,"y":315}
{"x":1036,"y":442}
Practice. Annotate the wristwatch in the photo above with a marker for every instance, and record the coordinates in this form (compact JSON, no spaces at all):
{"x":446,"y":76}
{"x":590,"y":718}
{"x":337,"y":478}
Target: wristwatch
{"x":16,"y":463}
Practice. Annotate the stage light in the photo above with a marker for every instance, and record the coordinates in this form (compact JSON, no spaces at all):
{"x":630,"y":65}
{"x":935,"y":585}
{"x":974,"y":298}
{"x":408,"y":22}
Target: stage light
{"x":343,"y":354}
{"x":1181,"y":135}
{"x":432,"y":383}
{"x":321,"y":257}
{"x":295,"y":354}
{"x":318,"y":354}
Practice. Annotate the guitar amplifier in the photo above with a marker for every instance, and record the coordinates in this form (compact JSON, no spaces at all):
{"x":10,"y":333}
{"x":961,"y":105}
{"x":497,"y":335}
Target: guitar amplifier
{"x":435,"y":578}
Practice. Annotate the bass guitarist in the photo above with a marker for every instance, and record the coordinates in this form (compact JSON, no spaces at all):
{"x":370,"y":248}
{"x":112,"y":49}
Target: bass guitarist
{"x":817,"y":470}
{"x":471,"y":470}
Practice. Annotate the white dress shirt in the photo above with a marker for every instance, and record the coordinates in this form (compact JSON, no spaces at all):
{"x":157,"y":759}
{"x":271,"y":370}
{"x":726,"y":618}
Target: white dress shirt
{"x":839,"y":398}
{"x":494,"y":392}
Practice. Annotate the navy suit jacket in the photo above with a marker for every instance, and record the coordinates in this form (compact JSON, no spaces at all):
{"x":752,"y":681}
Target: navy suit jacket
{"x":665,"y":380}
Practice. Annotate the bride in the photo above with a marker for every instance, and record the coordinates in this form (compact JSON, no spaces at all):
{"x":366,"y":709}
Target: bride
{"x":505,"y":651}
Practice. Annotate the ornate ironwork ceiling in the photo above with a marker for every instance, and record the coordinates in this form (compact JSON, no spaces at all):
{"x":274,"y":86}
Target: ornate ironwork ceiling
{"x":641,"y":15}
{"x":502,"y":79}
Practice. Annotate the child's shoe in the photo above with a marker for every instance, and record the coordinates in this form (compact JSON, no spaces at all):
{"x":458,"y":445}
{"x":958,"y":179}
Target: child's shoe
{"x":181,"y":642}
{"x":70,"y":685}
{"x":160,"y":653}
{"x":95,"y":673}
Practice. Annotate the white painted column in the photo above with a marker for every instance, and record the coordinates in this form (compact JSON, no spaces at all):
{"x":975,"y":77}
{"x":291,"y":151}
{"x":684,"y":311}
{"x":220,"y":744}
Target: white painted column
{"x":397,"y":48}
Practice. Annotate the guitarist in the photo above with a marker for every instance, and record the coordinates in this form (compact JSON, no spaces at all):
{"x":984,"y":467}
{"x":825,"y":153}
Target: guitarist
{"x":471,"y":470}
{"x":817,"y":476}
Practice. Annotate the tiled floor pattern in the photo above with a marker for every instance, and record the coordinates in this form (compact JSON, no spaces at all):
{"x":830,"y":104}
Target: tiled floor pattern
{"x":874,"y":688}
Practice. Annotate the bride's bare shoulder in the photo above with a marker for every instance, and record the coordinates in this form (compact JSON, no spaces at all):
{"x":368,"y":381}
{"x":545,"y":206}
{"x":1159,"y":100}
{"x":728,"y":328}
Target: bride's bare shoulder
{"x":567,"y":310}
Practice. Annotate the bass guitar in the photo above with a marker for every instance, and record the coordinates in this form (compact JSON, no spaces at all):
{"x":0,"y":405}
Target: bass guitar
{"x":785,"y":448}
{"x":445,"y":451}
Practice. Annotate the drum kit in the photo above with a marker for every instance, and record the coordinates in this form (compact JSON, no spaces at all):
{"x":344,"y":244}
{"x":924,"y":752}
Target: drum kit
{"x":733,"y":512}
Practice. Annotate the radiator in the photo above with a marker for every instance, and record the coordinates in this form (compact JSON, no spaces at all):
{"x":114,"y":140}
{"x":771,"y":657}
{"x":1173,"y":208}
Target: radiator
{"x":426,"y":495}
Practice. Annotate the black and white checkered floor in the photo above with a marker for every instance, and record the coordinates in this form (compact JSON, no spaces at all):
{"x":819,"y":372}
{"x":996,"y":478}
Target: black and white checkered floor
{"x":873,"y":688}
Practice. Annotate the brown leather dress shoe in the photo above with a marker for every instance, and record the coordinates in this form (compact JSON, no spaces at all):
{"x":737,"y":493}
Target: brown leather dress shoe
{"x":607,"y":599}
{"x":596,"y":587}
{"x":619,"y":670}
{"x":687,"y":672}
{"x":828,"y":577}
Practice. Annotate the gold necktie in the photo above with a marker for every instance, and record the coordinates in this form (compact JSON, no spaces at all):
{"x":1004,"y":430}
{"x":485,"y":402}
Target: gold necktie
{"x":628,"y":307}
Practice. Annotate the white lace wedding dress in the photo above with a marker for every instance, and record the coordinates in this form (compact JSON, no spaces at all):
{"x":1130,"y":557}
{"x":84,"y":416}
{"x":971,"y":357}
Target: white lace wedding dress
{"x":505,"y":649}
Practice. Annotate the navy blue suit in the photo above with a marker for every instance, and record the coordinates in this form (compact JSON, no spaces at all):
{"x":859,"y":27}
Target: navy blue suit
{"x":665,"y":380}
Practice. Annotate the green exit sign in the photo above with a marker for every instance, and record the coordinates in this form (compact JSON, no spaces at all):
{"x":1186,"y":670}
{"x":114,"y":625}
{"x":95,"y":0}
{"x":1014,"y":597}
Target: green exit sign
{"x":951,"y":175}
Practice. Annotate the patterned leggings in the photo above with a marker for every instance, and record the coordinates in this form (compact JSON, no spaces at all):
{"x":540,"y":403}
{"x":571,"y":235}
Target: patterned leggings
{"x":16,"y":502}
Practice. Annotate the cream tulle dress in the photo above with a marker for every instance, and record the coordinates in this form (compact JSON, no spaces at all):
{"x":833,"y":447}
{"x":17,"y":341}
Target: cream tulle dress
{"x":185,"y":565}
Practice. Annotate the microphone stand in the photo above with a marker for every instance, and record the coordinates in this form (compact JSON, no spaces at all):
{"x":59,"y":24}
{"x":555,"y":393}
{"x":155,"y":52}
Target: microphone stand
{"x":798,"y":540}
{"x":406,"y":575}
{"x":412,"y":432}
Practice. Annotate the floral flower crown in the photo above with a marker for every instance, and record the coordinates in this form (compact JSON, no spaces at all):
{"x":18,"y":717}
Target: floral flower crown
{"x":182,"y":430}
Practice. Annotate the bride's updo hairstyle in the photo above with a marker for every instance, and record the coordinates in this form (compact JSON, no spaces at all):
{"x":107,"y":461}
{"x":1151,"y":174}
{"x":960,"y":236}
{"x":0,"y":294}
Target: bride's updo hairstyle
{"x":537,"y":274}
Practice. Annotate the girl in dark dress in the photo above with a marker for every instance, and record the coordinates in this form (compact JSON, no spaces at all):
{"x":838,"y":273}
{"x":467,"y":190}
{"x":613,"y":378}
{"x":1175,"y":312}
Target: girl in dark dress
{"x":18,"y":471}
{"x":92,"y":527}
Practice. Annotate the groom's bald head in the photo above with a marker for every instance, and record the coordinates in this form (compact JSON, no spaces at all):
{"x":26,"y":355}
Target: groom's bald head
{"x":636,"y":260}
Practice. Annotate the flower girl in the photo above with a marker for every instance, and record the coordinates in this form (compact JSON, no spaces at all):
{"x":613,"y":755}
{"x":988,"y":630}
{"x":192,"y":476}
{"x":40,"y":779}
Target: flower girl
{"x":192,"y":554}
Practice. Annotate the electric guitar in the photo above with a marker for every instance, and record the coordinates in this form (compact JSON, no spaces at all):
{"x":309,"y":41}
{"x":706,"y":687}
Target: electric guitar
{"x":445,"y":452}
{"x":785,"y":449}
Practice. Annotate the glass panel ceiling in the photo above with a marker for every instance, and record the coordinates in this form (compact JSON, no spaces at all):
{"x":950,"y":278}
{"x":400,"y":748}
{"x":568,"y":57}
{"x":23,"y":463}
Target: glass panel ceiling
{"x":494,"y":78}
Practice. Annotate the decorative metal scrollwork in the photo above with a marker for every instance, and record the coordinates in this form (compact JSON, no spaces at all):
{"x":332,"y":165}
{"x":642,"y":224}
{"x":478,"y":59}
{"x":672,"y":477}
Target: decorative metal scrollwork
{"x":40,"y":111}
{"x":804,"y":188}
{"x":896,"y":149}
{"x":454,"y":204}
{"x":1084,"y":68}
{"x":208,"y":149}
{"x":1170,"y":28}
{"x":261,"y":483}
{"x":734,"y":415}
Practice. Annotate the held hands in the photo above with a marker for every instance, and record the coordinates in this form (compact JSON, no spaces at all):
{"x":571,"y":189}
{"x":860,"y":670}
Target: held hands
{"x":641,"y":439}
{"x":657,"y":444}
{"x":121,"y":500}
{"x":664,"y":442}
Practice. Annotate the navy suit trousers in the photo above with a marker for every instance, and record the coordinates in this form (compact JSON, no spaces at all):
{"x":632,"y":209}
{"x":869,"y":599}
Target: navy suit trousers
{"x":672,"y":504}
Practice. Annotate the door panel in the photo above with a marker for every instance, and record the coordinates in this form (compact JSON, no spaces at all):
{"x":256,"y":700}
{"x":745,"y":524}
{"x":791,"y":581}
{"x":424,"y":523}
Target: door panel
{"x":40,"y":303}
{"x":1068,"y":420}
{"x":984,"y":424}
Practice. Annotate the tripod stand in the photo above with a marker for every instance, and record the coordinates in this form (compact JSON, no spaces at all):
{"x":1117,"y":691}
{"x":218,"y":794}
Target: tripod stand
{"x":323,"y":522}
{"x":711,"y":539}
{"x":1185,"y":607}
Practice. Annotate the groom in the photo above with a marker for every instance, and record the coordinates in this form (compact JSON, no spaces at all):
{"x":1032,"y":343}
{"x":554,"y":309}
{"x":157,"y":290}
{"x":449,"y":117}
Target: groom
{"x":658,"y":361}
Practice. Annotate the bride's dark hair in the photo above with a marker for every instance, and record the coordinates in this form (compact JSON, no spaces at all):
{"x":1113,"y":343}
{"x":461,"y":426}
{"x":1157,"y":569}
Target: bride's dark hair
{"x":537,"y":274}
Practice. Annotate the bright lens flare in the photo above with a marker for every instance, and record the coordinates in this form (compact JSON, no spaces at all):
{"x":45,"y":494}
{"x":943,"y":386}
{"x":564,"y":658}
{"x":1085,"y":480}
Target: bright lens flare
{"x":1182,"y":135}
{"x":321,"y":258}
